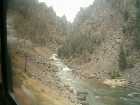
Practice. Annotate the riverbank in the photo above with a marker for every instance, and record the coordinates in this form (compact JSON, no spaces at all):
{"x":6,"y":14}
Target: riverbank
{"x":93,"y":91}
{"x":60,"y":82}
{"x":33,"y":92}
{"x":85,"y":71}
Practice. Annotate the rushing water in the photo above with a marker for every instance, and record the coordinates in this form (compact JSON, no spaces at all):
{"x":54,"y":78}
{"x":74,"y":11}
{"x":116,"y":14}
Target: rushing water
{"x":97,"y":93}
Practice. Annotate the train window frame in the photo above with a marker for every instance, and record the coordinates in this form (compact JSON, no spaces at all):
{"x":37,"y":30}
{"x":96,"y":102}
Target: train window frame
{"x":6,"y":67}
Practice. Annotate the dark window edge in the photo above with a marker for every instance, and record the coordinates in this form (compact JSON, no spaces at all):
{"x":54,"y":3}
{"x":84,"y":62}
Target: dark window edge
{"x":5,"y":58}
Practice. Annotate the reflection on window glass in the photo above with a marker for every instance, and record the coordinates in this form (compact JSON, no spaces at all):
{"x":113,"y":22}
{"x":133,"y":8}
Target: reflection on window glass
{"x":75,"y":52}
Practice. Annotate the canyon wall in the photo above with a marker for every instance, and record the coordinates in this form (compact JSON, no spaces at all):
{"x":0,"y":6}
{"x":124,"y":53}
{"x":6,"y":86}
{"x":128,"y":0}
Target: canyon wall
{"x":37,"y":22}
{"x":107,"y":34}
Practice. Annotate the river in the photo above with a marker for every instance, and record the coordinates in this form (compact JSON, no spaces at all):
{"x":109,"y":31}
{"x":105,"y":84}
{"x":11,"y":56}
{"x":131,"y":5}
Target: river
{"x":95,"y":92}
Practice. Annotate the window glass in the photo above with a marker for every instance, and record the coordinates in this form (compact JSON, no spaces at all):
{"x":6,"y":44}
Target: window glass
{"x":75,"y":52}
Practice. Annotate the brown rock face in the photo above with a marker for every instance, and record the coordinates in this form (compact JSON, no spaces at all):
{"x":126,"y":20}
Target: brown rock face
{"x":110,"y":28}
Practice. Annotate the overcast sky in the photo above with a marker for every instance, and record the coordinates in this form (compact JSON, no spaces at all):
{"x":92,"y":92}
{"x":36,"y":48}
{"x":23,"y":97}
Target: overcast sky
{"x":69,"y":8}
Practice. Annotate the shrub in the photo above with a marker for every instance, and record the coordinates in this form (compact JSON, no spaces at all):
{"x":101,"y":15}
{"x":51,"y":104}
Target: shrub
{"x":122,"y":59}
{"x":77,"y":45}
{"x":137,"y":39}
{"x":115,"y":74}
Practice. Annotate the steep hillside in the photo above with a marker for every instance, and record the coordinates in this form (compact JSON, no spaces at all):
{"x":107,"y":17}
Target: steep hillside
{"x":36,"y":22}
{"x":105,"y":40}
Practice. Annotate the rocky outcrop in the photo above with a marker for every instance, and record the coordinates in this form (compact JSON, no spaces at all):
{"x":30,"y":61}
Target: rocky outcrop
{"x":113,"y":26}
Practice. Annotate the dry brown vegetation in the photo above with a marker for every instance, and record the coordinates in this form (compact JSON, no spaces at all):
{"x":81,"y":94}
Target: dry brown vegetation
{"x":33,"y":92}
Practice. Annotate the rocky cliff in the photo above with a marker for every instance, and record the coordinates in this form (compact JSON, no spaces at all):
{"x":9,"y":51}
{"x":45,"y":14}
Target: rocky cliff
{"x":107,"y":35}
